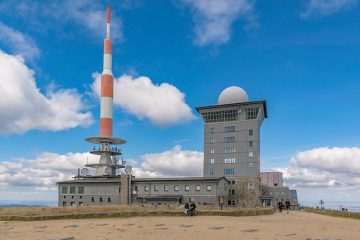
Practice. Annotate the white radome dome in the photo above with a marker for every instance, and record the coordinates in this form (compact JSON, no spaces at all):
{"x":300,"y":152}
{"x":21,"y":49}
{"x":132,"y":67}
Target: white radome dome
{"x":233,"y":94}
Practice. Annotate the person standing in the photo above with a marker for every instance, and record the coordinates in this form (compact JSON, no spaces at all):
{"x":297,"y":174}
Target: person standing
{"x":186,"y":208}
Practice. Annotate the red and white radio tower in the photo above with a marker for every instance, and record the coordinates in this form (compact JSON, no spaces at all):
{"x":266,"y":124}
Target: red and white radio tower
{"x":108,"y":162}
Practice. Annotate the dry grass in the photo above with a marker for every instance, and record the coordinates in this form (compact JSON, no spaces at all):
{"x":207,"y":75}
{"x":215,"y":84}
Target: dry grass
{"x":334,"y":213}
{"x":51,"y":213}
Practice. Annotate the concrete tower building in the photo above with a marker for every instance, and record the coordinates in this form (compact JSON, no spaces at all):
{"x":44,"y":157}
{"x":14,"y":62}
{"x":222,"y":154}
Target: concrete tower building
{"x":232,"y":143}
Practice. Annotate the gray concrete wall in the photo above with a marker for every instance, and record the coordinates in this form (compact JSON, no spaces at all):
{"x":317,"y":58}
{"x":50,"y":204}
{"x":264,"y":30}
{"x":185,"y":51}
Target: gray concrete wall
{"x":204,"y":195}
{"x":91,"y":190}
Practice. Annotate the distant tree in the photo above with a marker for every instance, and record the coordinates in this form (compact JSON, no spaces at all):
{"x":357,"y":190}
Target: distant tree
{"x":321,"y":203}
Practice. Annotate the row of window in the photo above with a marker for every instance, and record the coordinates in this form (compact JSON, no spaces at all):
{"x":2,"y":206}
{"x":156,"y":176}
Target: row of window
{"x":229,"y":171}
{"x":212,"y":151}
{"x":64,"y":203}
{"x":65,"y":190}
{"x":231,"y":115}
{"x":230,"y":150}
{"x":232,"y":129}
{"x":230,"y":160}
{"x":101,"y":199}
{"x":230,"y":140}
{"x":250,"y":187}
{"x":176,"y":188}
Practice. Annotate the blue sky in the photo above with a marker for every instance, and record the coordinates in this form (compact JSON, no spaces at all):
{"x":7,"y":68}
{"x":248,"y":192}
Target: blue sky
{"x":302,"y":57}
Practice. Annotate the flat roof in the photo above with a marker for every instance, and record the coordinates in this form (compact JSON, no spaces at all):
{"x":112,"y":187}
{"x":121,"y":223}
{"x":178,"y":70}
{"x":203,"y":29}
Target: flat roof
{"x":117,"y":179}
{"x":263,"y":102}
{"x":177,"y":179}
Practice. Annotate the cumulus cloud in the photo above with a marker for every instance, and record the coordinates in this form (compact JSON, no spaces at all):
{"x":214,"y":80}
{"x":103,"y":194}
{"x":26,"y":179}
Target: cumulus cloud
{"x":47,"y":168}
{"x":213,"y":18}
{"x":318,"y":8}
{"x":43,"y":171}
{"x":324,"y":167}
{"x":174,"y":162}
{"x":23,"y":107}
{"x":18,"y":42}
{"x":163,"y":104}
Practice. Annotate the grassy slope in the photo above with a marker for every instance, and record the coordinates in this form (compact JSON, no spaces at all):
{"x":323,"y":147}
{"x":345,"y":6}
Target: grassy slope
{"x":52,"y":213}
{"x":334,"y":213}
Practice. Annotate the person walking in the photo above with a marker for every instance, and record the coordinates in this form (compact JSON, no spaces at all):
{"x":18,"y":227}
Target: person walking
{"x":280,"y":206}
{"x":287,"y":206}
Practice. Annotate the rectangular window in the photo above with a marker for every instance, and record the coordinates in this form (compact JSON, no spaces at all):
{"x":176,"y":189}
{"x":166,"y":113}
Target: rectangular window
{"x":81,"y":190}
{"x":229,"y":150}
{"x":156,"y":188}
{"x":251,"y":143}
{"x":101,"y":199}
{"x":64,"y":190}
{"x":211,"y":130}
{"x":231,"y":192}
{"x":109,"y":199}
{"x":208,"y":187}
{"x":187,"y":188}
{"x":229,"y":160}
{"x":72,"y":204}
{"x":229,"y":139}
{"x":136,"y":188}
{"x":251,"y":132}
{"x":176,"y":188}
{"x":229,"y":129}
{"x":64,"y":204}
{"x":212,"y":161}
{"x":166,"y":188}
{"x":212,"y":150}
{"x":251,"y":187}
{"x":212,"y":171}
{"x":81,"y":203}
{"x":92,"y":199}
{"x":251,"y":164}
{"x":251,"y":113}
{"x":197,"y":187}
{"x":146,"y":188}
{"x":212,"y":140}
{"x":72,"y":190}
{"x":229,"y":171}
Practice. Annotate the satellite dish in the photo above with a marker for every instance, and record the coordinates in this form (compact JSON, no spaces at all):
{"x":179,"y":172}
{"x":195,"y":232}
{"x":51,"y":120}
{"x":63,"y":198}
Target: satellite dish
{"x":128,"y":169}
{"x":84,"y":172}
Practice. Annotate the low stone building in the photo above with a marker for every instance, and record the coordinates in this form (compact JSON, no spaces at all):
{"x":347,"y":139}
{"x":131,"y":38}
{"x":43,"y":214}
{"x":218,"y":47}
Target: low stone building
{"x":125,"y":190}
{"x":274,"y":191}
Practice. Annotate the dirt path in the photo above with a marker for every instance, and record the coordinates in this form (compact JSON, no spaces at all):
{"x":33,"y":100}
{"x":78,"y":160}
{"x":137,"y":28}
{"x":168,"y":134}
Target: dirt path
{"x":296,"y":225}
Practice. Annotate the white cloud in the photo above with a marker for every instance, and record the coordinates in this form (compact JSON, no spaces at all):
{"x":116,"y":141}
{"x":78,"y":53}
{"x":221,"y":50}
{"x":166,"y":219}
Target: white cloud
{"x":324,"y":167}
{"x":88,"y":14}
{"x":43,"y":171}
{"x":174,"y":162}
{"x":316,"y":8}
{"x":163,"y":104}
{"x":19,"y":43}
{"x":47,"y":168}
{"x":47,"y":16}
{"x":213,"y":18}
{"x":23,"y":107}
